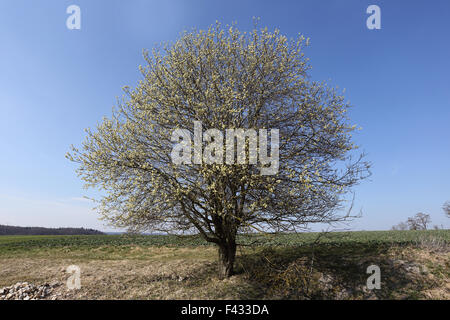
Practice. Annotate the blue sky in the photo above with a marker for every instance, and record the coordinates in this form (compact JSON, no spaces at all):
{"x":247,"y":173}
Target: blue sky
{"x":55,"y":82}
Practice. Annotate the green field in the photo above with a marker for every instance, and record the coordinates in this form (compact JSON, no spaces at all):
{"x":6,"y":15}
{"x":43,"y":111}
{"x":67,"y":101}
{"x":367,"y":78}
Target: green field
{"x":14,"y":243}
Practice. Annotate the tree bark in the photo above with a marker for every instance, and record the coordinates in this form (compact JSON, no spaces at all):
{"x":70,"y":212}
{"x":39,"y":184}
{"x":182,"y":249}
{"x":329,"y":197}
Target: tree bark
{"x":227,"y":255}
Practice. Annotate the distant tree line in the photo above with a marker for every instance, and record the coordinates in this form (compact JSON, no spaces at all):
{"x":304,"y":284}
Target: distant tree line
{"x":418,"y":222}
{"x":421,"y":220}
{"x":446,"y":208}
{"x":14,"y":230}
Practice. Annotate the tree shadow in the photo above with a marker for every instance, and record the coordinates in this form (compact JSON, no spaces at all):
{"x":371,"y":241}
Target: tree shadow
{"x":326,"y":271}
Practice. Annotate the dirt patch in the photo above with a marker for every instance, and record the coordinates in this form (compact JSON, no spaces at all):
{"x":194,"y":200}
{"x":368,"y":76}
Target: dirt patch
{"x":190,"y":273}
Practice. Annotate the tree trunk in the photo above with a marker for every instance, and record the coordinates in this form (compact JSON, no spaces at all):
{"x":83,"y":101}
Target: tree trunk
{"x":227,"y":255}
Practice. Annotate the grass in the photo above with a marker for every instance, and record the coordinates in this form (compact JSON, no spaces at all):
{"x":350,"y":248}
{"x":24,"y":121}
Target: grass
{"x":287,"y":266}
{"x":13,"y":245}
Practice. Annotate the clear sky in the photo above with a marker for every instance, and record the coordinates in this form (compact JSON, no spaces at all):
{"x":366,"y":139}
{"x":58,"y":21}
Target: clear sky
{"x":54,"y":82}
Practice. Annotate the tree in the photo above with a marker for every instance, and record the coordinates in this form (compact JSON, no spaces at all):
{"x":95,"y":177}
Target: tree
{"x":419,"y":222}
{"x":446,"y":208}
{"x":400,"y":226}
{"x":223,"y":79}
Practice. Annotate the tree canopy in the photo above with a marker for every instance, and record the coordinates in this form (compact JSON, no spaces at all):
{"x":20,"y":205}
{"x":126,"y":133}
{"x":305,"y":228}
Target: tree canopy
{"x":224,"y":79}
{"x":446,"y":208}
